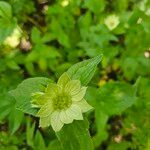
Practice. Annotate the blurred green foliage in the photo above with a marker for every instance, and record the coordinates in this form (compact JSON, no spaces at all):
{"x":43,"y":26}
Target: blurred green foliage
{"x":54,"y":35}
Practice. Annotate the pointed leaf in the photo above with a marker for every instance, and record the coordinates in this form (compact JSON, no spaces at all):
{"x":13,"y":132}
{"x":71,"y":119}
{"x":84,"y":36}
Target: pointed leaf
{"x":84,"y":71}
{"x":24,"y":90}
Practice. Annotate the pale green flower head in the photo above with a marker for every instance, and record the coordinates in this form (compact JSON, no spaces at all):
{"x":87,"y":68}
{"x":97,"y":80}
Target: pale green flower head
{"x":61,"y":103}
{"x":65,"y":3}
{"x":112,"y":21}
{"x":14,"y":39}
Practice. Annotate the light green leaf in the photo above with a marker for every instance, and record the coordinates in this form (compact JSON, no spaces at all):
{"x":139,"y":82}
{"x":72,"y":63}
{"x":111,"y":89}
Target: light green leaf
{"x":84,"y":70}
{"x":75,"y":136}
{"x":23,"y":92}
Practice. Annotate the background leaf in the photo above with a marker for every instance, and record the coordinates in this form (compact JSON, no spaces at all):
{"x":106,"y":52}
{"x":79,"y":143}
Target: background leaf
{"x":5,"y":10}
{"x":15,"y":119}
{"x":113,"y":98}
{"x":7,"y":22}
{"x":116,"y":97}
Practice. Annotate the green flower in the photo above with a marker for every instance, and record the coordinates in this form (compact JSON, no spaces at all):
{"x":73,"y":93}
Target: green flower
{"x":14,"y":39}
{"x":61,"y":103}
{"x":112,"y":21}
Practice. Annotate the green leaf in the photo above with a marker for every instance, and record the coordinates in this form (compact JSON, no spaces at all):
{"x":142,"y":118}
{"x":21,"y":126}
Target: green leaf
{"x":85,"y":20}
{"x":101,"y":117}
{"x":5,"y":105}
{"x":30,"y":133}
{"x":22,"y":93}
{"x":54,"y":145}
{"x":6,"y":28}
{"x":84,"y":70}
{"x":101,"y":122}
{"x":95,"y":6}
{"x":75,"y":136}
{"x":15,"y":119}
{"x":39,"y":141}
{"x":7,"y":22}
{"x":8,"y":111}
{"x":113,"y":98}
{"x":123,"y":145}
{"x":35,"y":35}
{"x":59,"y":33}
{"x":5,"y":10}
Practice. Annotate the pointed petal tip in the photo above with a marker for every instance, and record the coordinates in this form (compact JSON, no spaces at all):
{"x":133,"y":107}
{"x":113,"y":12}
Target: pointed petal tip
{"x":56,"y":122}
{"x":63,"y":80}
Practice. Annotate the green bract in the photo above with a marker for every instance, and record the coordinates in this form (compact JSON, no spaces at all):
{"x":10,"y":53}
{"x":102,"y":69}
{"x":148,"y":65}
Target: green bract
{"x":61,"y":103}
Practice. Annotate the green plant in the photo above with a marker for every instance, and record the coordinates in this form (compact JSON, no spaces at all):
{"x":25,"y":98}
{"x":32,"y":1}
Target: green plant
{"x":41,"y":40}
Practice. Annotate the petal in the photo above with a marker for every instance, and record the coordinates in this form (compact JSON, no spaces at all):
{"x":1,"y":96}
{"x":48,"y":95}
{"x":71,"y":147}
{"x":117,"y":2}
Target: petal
{"x":56,"y":123}
{"x":37,"y":94}
{"x":84,"y":106}
{"x":52,"y":90}
{"x":45,"y":121}
{"x":38,"y":99}
{"x":45,"y":110}
{"x":63,"y":80}
{"x":79,"y":96}
{"x":65,"y":118}
{"x":75,"y":112}
{"x":73,"y":87}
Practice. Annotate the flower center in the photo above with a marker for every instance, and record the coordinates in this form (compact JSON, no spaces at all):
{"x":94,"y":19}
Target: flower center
{"x":61,"y":101}
{"x":112,"y":23}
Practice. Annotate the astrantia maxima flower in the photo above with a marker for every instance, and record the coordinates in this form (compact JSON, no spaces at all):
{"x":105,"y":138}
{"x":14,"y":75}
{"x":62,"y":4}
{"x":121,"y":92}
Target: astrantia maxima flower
{"x":14,"y":39}
{"x":65,"y":3}
{"x":112,"y":22}
{"x":61,"y":103}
